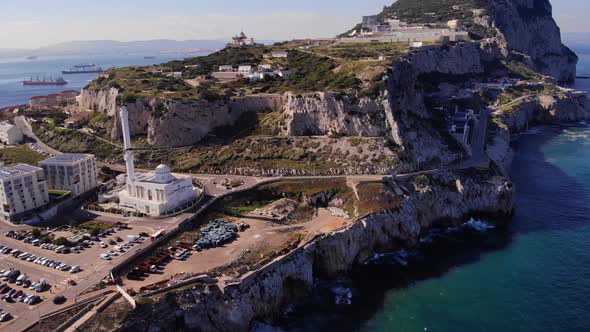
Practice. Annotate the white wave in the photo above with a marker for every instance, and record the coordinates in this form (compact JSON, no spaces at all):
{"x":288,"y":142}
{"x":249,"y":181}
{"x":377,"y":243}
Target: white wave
{"x":402,"y":257}
{"x":576,"y":135}
{"x":479,"y":225}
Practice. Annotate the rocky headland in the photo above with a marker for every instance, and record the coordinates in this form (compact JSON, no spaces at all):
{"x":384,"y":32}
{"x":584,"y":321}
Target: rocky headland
{"x":510,"y":31}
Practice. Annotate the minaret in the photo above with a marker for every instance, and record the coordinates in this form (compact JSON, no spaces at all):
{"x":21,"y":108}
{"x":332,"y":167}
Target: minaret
{"x":128,"y":149}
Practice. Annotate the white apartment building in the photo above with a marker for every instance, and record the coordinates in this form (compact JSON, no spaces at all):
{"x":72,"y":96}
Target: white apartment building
{"x":280,"y":54}
{"x":10,"y":134}
{"x":23,"y":192}
{"x":245,"y":70}
{"x":71,"y":172}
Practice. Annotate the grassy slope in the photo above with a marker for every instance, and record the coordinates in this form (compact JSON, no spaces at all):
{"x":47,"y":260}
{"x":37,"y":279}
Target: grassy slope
{"x":20,"y":154}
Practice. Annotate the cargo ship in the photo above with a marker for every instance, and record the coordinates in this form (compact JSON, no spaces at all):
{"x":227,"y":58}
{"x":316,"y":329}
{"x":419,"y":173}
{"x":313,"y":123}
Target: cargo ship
{"x":45,"y":81}
{"x":85,"y":65}
{"x":83,"y":70}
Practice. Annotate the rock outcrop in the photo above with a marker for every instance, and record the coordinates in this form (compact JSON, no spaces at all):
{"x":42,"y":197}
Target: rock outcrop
{"x":324,"y":113}
{"x":546,"y":109}
{"x":528,"y":27}
{"x":538,"y":110}
{"x":183,"y":123}
{"x":455,"y":60}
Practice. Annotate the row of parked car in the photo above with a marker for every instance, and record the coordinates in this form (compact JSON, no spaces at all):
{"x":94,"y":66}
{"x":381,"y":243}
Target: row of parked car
{"x":61,"y":249}
{"x":132,"y":240}
{"x":15,"y":277}
{"x":11,"y":295}
{"x":43,"y":261}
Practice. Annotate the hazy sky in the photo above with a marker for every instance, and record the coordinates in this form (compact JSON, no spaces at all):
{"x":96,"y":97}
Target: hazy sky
{"x":34,"y":23}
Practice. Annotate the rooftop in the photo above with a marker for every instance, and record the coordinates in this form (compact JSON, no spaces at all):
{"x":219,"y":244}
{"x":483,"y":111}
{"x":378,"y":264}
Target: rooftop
{"x":65,"y":158}
{"x":6,"y":125}
{"x":7,"y":172}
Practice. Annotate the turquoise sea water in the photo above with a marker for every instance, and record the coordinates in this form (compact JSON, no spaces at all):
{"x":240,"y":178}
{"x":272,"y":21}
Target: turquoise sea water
{"x":533,"y":275}
{"x":540,"y":281}
{"x":14,"y":71}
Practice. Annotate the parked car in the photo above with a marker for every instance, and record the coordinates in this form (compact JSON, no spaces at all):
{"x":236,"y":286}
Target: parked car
{"x":59,"y":299}
{"x":106,"y":257}
{"x":34,"y":300}
{"x":5,"y":317}
{"x":21,"y":279}
{"x":75,"y":269}
{"x":13,"y":275}
{"x":40,"y":286}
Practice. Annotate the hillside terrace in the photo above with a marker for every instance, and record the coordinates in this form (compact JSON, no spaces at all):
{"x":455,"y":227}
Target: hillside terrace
{"x":352,"y":69}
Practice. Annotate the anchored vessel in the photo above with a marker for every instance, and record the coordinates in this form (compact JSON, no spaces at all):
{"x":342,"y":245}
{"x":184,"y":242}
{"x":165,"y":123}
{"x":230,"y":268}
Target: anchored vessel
{"x":45,"y":81}
{"x":83,"y":69}
{"x":85,"y":65}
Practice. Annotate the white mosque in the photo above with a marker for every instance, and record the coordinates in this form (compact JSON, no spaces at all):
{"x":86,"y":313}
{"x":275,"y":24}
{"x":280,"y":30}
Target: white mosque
{"x":155,"y":193}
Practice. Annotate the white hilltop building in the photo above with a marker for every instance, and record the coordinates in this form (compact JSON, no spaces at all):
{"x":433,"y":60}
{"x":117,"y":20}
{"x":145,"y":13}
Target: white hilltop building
{"x":154,"y":193}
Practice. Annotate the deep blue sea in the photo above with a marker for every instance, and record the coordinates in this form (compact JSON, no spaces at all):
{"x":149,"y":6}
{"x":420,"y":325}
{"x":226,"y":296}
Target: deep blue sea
{"x":14,"y":71}
{"x":533,"y":275}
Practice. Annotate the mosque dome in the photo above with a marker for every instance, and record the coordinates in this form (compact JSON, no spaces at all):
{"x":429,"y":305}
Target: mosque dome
{"x":162,"y":169}
{"x":163,"y":174}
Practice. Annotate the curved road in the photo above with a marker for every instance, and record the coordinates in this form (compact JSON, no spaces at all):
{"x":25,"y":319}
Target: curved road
{"x":37,"y":144}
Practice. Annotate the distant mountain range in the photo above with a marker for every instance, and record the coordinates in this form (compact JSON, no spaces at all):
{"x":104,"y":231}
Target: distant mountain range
{"x":117,"y":47}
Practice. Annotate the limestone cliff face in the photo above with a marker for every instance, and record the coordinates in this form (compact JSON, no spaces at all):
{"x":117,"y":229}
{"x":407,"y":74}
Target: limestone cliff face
{"x":180,"y":123}
{"x":323,"y":113}
{"x":543,"y":109}
{"x":528,"y":27}
{"x":183,"y":123}
{"x":263,"y":296}
{"x":101,"y":101}
{"x":547,"y":109}
{"x":456,"y":60}
{"x":408,"y":116}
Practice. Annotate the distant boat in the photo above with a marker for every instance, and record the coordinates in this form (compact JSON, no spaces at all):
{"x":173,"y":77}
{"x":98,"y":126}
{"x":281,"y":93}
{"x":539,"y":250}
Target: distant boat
{"x":83,"y":70}
{"x":32,"y":57}
{"x":45,"y":81}
{"x":85,"y":65}
{"x":149,"y":57}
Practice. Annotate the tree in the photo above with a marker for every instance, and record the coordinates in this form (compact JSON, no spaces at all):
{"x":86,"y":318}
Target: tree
{"x":36,"y":233}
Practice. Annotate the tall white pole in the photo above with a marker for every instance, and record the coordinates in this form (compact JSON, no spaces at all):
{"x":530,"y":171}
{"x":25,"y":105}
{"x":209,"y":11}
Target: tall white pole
{"x":129,"y":161}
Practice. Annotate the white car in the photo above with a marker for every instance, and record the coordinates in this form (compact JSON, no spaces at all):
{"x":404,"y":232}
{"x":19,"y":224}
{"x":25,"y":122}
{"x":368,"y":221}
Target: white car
{"x":103,"y":245}
{"x":75,"y":269}
{"x":106,"y":257}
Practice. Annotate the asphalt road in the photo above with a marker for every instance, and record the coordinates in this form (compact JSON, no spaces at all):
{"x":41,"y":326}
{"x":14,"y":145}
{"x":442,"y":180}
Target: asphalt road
{"x":36,"y":143}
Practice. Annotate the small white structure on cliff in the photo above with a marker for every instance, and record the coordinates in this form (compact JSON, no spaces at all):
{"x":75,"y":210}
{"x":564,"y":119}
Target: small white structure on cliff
{"x":155,"y":193}
{"x":10,"y":134}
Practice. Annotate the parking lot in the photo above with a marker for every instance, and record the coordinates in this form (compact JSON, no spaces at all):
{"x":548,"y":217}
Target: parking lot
{"x":58,"y":280}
